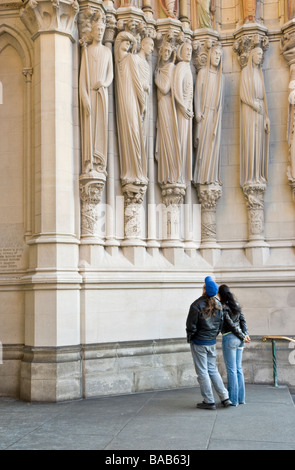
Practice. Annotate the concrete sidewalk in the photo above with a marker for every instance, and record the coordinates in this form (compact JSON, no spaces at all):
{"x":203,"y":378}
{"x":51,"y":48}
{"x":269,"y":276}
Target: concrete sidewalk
{"x":160,"y":420}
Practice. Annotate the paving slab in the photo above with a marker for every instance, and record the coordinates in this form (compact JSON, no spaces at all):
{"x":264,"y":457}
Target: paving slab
{"x":155,"y":421}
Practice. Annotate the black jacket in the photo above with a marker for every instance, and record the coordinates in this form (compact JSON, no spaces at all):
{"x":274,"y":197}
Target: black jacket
{"x":198,"y":326}
{"x":234,"y":323}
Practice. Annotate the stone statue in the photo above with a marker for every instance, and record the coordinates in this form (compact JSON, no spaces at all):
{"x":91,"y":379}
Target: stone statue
{"x":291,"y":9}
{"x":146,"y":49}
{"x":291,"y":125}
{"x":254,"y":121}
{"x":167,"y":143}
{"x":208,"y":113}
{"x":96,"y":75}
{"x":202,"y":13}
{"x":131,"y":102}
{"x":169,"y":7}
{"x":182,"y":89}
{"x":250,"y":10}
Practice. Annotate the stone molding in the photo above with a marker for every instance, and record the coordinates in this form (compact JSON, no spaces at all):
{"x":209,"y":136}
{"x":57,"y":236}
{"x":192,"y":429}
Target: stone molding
{"x":93,"y":370}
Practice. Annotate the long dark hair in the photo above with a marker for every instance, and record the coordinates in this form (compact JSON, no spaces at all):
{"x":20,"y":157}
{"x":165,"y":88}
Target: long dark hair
{"x":212,"y":306}
{"x":227,"y":298}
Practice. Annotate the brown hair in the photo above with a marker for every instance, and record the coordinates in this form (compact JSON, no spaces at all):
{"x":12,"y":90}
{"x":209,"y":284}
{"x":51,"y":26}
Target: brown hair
{"x":212,"y":306}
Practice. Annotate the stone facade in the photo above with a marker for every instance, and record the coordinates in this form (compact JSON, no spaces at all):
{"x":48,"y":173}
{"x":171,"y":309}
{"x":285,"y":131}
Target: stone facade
{"x":106,"y":230}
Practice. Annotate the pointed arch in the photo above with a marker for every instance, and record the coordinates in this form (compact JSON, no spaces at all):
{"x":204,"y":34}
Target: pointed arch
{"x":11,"y":37}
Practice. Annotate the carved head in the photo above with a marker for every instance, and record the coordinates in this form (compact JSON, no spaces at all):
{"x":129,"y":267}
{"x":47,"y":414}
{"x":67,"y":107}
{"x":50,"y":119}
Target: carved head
{"x":185,"y":51}
{"x":147,"y":46}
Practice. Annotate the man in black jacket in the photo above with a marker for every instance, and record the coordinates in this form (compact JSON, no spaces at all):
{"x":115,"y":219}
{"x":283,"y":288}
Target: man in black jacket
{"x":204,"y":322}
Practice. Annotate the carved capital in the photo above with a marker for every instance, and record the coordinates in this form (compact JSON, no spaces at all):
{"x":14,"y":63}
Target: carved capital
{"x":202,"y":45}
{"x":208,"y":195}
{"x":173,"y":194}
{"x":91,"y":188}
{"x":41,"y":16}
{"x":248,"y":41}
{"x":27,"y":73}
{"x":88,"y":15}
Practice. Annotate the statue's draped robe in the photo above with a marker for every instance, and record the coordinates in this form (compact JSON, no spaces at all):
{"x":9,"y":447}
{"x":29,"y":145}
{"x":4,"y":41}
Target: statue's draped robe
{"x":130,"y":103}
{"x":183,"y":95}
{"x":167,"y":143}
{"x":96,"y":66}
{"x":208,"y":102}
{"x":254,"y":139}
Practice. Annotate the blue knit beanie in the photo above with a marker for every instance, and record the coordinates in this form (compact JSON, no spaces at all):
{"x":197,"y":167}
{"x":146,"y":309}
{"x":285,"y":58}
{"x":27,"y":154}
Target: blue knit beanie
{"x":211,"y":286}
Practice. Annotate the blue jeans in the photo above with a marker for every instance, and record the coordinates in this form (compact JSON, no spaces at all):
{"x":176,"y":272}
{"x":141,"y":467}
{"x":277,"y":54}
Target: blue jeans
{"x":232,"y":348}
{"x":205,"y":364}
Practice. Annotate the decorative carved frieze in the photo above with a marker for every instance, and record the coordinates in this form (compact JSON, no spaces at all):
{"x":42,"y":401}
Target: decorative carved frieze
{"x":41,"y":16}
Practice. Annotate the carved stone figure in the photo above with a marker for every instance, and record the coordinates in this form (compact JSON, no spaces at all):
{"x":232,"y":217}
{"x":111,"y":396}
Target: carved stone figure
{"x":251,"y":10}
{"x":96,"y":75}
{"x":146,"y":49}
{"x":131,"y":110}
{"x":203,"y":13}
{"x":254,"y":121}
{"x":183,"y":95}
{"x":167,"y":143}
{"x":208,"y":113}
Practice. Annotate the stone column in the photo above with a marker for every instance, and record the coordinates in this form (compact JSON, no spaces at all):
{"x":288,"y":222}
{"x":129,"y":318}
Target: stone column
{"x":250,"y":38}
{"x":52,"y":298}
{"x":288,"y":51}
{"x":208,"y":196}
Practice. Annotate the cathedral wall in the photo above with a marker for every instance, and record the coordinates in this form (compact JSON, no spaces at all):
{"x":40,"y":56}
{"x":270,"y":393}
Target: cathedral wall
{"x":95,"y":279}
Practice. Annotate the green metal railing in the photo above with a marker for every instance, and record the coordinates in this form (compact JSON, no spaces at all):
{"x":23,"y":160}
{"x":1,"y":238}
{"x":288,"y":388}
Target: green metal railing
{"x":274,"y":353}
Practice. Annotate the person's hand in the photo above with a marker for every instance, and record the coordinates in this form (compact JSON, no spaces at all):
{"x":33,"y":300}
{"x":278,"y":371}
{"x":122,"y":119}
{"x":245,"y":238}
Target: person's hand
{"x":247,"y":339}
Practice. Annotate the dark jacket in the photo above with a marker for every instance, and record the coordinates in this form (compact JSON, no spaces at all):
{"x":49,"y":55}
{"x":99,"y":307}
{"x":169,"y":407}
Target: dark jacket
{"x":198,"y":327}
{"x":234,"y":323}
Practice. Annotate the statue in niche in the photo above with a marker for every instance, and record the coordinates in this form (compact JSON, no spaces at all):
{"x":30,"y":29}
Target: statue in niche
{"x":291,"y":125}
{"x":254,"y":121}
{"x":167,"y":143}
{"x":251,"y":10}
{"x":182,"y":90}
{"x":96,"y":75}
{"x":203,"y":12}
{"x":131,"y":102}
{"x":208,"y":113}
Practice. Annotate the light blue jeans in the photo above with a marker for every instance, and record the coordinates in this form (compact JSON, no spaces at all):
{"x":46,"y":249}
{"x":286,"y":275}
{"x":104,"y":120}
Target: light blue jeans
{"x":205,"y":364}
{"x":232,"y":348}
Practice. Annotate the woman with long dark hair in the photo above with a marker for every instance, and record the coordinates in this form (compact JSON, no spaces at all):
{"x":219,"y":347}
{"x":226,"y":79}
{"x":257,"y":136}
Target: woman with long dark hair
{"x":234,"y":335}
{"x":204,"y":322}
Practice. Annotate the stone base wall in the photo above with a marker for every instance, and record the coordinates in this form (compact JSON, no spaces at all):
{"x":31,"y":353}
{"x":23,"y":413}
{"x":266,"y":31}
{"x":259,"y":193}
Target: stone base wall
{"x":68,"y":373}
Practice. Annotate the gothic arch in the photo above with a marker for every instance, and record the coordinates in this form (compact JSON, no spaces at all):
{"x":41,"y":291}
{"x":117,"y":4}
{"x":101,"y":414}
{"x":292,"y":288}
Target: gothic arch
{"x":9,"y":36}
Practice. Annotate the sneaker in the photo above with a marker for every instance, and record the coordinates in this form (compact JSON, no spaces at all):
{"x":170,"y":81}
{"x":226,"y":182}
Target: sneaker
{"x":206,"y":406}
{"x":226,"y":403}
